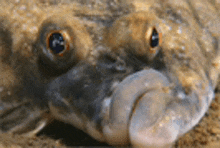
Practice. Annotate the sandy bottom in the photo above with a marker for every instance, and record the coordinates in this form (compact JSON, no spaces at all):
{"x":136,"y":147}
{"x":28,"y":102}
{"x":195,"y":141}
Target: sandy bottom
{"x":206,"y":134}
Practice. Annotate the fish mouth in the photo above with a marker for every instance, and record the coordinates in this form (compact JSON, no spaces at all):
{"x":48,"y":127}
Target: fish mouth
{"x":143,"y":110}
{"x":138,"y":103}
{"x":147,"y":111}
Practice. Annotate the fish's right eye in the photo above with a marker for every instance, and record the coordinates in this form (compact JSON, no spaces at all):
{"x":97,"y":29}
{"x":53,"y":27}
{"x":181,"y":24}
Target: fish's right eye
{"x":57,"y":42}
{"x":60,"y":43}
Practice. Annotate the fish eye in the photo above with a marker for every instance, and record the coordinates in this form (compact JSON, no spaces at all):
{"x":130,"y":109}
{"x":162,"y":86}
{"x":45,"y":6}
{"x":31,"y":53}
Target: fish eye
{"x":154,"y":39}
{"x":60,"y":45}
{"x":136,"y":34}
{"x":56,"y":42}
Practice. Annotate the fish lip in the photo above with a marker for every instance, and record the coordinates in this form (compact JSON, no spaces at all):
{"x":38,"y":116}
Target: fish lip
{"x":124,"y":100}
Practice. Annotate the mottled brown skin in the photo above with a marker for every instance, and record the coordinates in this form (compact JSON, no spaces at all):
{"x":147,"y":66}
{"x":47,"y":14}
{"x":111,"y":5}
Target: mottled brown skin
{"x":109,"y":82}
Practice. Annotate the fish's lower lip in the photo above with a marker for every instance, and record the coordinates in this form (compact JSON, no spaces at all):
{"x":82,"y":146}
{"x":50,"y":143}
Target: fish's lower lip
{"x":145,"y":126}
{"x":124,"y":103}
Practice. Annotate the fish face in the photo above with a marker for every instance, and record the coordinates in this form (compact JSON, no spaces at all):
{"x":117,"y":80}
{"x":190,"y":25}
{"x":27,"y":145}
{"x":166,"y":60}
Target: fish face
{"x":138,"y":73}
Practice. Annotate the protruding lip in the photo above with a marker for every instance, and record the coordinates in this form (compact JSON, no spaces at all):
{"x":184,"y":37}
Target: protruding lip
{"x":147,"y":85}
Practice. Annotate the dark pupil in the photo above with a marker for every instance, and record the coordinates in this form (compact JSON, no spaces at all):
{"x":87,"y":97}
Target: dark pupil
{"x":56,"y":43}
{"x":154,"y":39}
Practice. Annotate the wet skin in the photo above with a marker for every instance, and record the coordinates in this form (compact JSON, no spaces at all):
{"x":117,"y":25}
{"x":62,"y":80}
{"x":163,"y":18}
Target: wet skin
{"x":138,"y":73}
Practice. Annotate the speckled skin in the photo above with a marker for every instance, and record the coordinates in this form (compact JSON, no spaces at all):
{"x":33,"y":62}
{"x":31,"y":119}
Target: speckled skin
{"x":110,"y":83}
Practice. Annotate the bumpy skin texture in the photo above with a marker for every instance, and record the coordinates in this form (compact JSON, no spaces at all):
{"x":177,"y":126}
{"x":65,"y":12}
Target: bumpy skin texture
{"x":109,"y":82}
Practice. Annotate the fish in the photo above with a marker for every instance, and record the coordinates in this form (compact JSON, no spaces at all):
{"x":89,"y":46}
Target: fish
{"x":138,"y":73}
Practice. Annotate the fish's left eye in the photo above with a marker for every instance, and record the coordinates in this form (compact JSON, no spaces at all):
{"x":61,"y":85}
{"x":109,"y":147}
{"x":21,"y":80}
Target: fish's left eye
{"x":154,"y":39}
{"x":138,"y":33}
